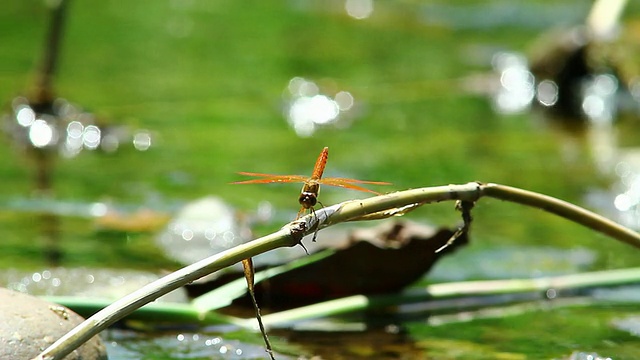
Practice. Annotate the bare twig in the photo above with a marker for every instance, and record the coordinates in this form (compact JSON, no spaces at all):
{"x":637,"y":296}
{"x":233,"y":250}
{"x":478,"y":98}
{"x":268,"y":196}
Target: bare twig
{"x":292,"y":234}
{"x":465,"y":208}
{"x":247,"y":266}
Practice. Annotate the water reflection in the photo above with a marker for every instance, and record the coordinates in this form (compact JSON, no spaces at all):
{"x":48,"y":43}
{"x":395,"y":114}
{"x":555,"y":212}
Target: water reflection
{"x":512,"y":262}
{"x":82,"y":282}
{"x":123,"y":344}
{"x":592,"y":101}
{"x":45,"y":129}
{"x":492,"y":14}
{"x":200,"y":229}
{"x":65,"y":127}
{"x":142,"y":140}
{"x":547,"y":93}
{"x":599,"y":100}
{"x":307,"y":108}
{"x":597,"y":95}
{"x":359,"y":9}
{"x":572,"y":93}
{"x":516,"y":90}
{"x":41,"y":133}
{"x":621,"y":201}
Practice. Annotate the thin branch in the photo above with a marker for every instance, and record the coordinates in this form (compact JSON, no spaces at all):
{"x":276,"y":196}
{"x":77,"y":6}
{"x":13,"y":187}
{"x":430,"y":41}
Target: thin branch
{"x":564,"y":209}
{"x":249,"y":274}
{"x":465,"y":208}
{"x":287,"y":236}
{"x":376,"y":207}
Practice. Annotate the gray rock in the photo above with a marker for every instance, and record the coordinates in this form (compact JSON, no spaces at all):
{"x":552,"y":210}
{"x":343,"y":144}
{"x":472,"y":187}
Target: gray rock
{"x":28,"y":325}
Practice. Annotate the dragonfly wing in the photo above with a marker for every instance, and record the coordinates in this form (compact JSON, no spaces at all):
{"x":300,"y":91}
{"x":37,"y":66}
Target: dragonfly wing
{"x":352,"y":181}
{"x":348,"y":184}
{"x":270,"y":178}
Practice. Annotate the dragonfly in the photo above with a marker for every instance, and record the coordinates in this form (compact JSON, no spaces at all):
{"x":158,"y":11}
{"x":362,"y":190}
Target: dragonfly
{"x":309,"y":195}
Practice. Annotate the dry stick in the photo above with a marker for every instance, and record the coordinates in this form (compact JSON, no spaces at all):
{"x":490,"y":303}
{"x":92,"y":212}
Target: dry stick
{"x":44,"y":92}
{"x":247,"y":266}
{"x":291,"y":235}
{"x":465,"y":208}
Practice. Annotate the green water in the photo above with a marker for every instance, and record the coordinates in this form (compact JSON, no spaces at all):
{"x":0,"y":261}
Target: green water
{"x":207,"y":79}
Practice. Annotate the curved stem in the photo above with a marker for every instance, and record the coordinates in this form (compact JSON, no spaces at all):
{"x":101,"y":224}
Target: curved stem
{"x":126,"y":305}
{"x":564,"y":209}
{"x":291,"y":234}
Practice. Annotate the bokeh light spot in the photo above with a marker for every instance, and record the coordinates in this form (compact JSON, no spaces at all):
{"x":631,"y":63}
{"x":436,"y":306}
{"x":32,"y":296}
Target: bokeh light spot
{"x":547,"y":93}
{"x":41,"y":133}
{"x":359,"y":9}
{"x":142,"y":141}
{"x":25,"y":116}
{"x":91,"y":137}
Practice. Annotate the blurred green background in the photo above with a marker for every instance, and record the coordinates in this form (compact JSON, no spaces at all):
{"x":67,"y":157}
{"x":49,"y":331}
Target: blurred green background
{"x":209,"y":82}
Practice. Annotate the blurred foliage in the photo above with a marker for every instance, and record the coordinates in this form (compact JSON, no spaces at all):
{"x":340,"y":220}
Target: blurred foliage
{"x":207,"y":80}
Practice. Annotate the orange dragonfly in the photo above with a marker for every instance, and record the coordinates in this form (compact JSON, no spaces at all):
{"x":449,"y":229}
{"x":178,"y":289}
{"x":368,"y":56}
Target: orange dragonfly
{"x":309,"y":194}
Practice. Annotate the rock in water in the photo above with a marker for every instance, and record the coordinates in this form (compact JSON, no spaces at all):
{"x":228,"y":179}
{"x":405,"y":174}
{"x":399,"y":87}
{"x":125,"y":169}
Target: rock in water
{"x":28,"y":325}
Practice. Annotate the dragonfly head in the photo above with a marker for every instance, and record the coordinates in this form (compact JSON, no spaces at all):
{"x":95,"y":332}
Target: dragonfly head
{"x":309,"y":195}
{"x":308,"y":199}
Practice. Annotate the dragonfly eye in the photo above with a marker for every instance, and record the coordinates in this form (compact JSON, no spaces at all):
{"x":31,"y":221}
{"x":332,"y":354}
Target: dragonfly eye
{"x":308,"y":200}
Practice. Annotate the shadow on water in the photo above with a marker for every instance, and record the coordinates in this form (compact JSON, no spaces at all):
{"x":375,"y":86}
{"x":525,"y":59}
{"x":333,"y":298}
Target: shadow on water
{"x":374,"y":341}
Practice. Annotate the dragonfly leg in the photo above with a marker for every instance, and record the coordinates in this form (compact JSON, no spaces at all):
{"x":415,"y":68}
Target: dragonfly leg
{"x":315,"y":233}
{"x":300,"y":213}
